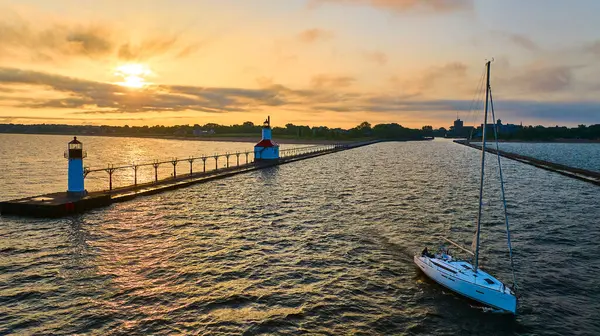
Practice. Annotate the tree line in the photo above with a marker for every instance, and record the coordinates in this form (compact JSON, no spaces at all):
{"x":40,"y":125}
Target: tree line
{"x":541,"y":133}
{"x":248,"y":128}
{"x":363,"y":130}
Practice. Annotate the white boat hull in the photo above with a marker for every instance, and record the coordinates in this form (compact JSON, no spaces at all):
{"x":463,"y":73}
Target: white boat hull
{"x":464,"y":282}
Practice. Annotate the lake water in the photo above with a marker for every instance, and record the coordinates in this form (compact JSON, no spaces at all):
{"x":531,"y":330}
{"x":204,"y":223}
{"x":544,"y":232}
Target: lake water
{"x":39,"y":159}
{"x":578,"y":155}
{"x":321,"y":246}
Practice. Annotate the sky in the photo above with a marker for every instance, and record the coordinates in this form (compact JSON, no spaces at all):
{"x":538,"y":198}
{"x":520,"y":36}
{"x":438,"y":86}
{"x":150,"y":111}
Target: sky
{"x":329,"y":63}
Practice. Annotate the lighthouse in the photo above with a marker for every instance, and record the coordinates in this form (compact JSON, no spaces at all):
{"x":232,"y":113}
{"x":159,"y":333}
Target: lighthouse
{"x":75,"y":155}
{"x":266,"y":149}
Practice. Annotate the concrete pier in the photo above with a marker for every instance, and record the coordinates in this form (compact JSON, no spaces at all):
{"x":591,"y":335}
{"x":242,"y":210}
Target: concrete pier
{"x":63,"y":203}
{"x":576,"y":173}
{"x":54,"y":205}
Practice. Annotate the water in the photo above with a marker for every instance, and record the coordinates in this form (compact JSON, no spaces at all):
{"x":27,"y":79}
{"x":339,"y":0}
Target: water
{"x":578,"y":155}
{"x":40,"y":159}
{"x":320,"y":246}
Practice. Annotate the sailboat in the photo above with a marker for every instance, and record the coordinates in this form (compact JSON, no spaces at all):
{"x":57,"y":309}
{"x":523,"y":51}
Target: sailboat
{"x":461,"y":276}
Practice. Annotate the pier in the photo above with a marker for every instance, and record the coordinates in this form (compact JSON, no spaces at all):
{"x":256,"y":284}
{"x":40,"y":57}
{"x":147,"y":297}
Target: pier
{"x":64,"y":203}
{"x":576,"y":173}
{"x":201,"y":169}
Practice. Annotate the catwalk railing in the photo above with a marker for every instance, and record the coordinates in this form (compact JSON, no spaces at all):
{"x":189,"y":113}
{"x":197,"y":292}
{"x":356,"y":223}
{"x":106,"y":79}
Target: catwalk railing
{"x":117,"y":177}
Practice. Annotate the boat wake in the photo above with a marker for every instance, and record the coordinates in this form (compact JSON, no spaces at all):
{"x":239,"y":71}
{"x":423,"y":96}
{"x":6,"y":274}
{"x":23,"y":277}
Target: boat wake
{"x":488,"y":309}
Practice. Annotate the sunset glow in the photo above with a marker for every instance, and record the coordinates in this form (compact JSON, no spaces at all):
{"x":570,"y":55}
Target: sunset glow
{"x":133,"y":75}
{"x":311,"y":62}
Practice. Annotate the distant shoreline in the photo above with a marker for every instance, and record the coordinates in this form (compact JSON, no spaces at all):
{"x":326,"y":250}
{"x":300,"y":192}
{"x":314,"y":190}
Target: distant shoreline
{"x":554,"y":141}
{"x":249,"y":139}
{"x":537,"y":141}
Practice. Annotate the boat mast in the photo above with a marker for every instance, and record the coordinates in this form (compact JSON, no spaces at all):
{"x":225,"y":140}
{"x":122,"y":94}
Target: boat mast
{"x":487,"y":95}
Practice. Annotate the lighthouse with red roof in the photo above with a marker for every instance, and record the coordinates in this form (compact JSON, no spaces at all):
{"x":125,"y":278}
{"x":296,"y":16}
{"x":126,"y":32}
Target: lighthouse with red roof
{"x":266,"y":149}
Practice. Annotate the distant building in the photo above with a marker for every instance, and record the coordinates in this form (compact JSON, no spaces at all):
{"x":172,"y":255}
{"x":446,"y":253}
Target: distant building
{"x":458,"y":130}
{"x":458,"y":125}
{"x":502,"y":129}
{"x":200,"y":132}
{"x":508,"y":128}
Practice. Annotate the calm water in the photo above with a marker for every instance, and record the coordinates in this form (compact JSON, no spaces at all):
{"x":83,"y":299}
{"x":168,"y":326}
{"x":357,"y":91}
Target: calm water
{"x":321,"y":246}
{"x":579,"y":155}
{"x":39,"y":158}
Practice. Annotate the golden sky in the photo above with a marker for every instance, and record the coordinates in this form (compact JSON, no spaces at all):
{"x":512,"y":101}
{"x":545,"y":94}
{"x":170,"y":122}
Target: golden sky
{"x":315,"y":62}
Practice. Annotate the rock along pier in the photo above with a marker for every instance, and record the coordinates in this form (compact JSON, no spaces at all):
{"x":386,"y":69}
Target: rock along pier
{"x":77,"y":200}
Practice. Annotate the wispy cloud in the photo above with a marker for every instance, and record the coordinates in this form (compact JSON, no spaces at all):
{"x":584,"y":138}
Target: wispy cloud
{"x":540,"y":79}
{"x":376,"y":57}
{"x":45,"y":119}
{"x":593,"y":48}
{"x":314,"y":35}
{"x":59,"y":41}
{"x":404,"y":5}
{"x":519,"y":40}
{"x":83,"y":97}
{"x":331,"y":81}
{"x":446,"y":77}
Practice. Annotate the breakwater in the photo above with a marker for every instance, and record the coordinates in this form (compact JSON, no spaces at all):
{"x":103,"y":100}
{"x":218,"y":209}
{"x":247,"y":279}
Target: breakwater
{"x":576,"y":173}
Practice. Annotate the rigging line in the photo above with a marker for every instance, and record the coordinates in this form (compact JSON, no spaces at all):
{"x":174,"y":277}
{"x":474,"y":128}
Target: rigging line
{"x":479,"y":97}
{"x":478,"y":90}
{"x":478,"y":106}
{"x":475,"y":95}
{"x":512,"y":265}
{"x":474,"y":114}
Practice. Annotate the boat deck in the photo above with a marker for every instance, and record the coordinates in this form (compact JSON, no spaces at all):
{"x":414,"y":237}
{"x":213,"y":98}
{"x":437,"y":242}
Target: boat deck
{"x":464,"y":271}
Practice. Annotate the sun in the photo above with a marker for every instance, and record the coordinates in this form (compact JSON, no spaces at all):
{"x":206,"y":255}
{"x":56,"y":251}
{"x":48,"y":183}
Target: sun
{"x":133,"y":75}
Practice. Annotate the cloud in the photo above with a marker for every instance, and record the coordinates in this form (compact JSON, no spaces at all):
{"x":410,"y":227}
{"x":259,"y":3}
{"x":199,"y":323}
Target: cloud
{"x":539,"y":79}
{"x":520,"y":40}
{"x":314,"y":35}
{"x":435,"y":78}
{"x":83,"y":97}
{"x":593,"y":48}
{"x":156,"y":46}
{"x":89,"y":41}
{"x":59,"y":41}
{"x":11,"y":119}
{"x":452,"y":69}
{"x":109,"y":98}
{"x":404,"y":5}
{"x":574,"y":112}
{"x":377,"y":57}
{"x":333,"y":82}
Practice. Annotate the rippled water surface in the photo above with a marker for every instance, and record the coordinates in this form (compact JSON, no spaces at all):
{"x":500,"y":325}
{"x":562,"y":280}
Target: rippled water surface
{"x":579,"y":155}
{"x":320,"y":246}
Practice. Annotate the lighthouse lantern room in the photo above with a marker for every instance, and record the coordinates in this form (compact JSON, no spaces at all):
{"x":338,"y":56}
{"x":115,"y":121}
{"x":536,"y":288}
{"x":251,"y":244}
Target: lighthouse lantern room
{"x":266,"y":149}
{"x":75,"y":155}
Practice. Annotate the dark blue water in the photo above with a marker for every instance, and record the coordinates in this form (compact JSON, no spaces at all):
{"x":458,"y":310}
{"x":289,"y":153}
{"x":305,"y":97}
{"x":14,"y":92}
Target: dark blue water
{"x":321,"y":246}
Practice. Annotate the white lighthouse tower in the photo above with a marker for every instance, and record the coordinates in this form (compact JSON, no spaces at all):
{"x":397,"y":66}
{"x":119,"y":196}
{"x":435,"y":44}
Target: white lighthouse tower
{"x":75,"y":155}
{"x":266,"y":149}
